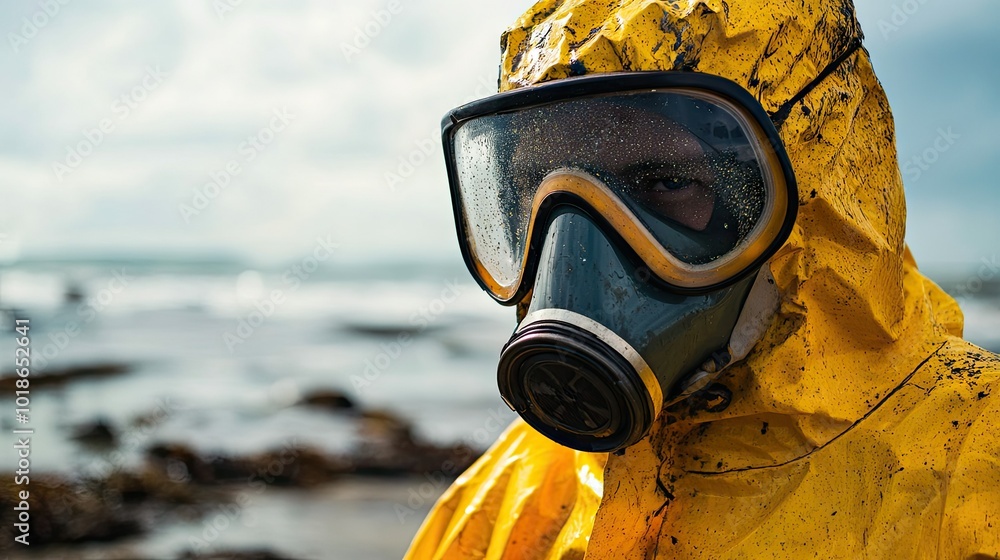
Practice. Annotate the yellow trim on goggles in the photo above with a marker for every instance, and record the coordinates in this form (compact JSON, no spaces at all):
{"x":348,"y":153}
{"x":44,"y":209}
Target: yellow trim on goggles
{"x":659,"y":260}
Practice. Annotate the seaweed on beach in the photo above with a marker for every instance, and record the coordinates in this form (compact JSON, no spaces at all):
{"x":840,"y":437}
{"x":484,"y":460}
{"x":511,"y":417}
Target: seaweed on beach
{"x":176,"y":482}
{"x":56,"y":378}
{"x":389,"y":449}
{"x":234,"y":555}
{"x":68,"y":511}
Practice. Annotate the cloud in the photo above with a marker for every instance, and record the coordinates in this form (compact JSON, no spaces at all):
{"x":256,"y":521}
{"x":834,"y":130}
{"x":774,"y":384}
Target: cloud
{"x":355,"y":118}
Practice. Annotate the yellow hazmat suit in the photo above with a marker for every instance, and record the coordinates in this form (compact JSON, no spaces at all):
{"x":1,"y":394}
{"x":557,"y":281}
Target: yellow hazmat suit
{"x":862,"y":426}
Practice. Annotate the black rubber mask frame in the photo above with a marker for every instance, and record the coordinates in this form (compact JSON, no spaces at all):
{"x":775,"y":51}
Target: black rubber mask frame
{"x":608,"y":84}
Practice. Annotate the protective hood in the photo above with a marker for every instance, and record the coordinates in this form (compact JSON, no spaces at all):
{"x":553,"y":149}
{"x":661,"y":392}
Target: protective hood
{"x":817,"y":450}
{"x":842,"y":271}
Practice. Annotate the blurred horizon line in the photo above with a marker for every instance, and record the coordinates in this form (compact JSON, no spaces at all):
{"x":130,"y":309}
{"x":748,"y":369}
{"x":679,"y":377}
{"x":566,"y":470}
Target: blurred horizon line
{"x":225,"y":261}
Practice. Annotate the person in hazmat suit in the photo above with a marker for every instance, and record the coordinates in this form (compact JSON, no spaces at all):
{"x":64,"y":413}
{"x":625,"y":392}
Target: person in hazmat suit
{"x":725,"y":349}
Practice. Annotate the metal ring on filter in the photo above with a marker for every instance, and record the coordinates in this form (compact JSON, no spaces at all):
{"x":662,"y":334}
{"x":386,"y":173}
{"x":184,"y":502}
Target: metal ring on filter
{"x":612,"y":340}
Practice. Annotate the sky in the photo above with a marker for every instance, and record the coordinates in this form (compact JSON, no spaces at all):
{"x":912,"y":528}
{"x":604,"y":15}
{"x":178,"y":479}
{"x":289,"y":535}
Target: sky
{"x":185,"y":128}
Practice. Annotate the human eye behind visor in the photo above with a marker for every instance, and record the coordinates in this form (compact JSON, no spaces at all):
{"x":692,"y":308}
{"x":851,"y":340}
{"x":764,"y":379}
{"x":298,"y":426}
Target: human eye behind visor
{"x":683,"y":194}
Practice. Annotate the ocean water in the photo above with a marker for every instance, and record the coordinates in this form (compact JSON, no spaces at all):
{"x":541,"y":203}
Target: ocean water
{"x":230,"y":361}
{"x":219,"y":364}
{"x":219,"y":355}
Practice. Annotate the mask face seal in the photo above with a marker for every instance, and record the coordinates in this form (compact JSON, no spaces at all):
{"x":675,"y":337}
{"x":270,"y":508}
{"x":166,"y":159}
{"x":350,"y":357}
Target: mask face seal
{"x":632,"y":212}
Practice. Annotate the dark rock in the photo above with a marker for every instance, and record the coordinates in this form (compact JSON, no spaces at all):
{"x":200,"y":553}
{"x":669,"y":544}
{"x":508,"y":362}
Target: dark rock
{"x":299,"y":467}
{"x":328,"y":400}
{"x":96,"y":434}
{"x":391,"y":448}
{"x":384,"y":428}
{"x":66,"y":513}
{"x":389,"y":331}
{"x":234,"y":555}
{"x":51,"y":378}
{"x":198,"y":470}
{"x":147,"y":486}
{"x":74,"y":293}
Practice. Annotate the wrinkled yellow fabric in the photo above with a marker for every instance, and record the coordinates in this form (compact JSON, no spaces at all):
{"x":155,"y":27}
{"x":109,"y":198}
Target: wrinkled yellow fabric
{"x":525,"y":499}
{"x":862,"y":426}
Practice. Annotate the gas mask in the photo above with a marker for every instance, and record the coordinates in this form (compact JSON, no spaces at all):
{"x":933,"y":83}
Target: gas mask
{"x":629,"y":216}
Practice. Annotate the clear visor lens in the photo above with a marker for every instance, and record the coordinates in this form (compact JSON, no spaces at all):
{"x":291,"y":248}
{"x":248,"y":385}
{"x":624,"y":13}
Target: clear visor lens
{"x":689,"y":167}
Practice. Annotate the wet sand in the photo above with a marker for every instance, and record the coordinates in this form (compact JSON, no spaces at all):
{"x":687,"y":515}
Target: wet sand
{"x":357,"y":518}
